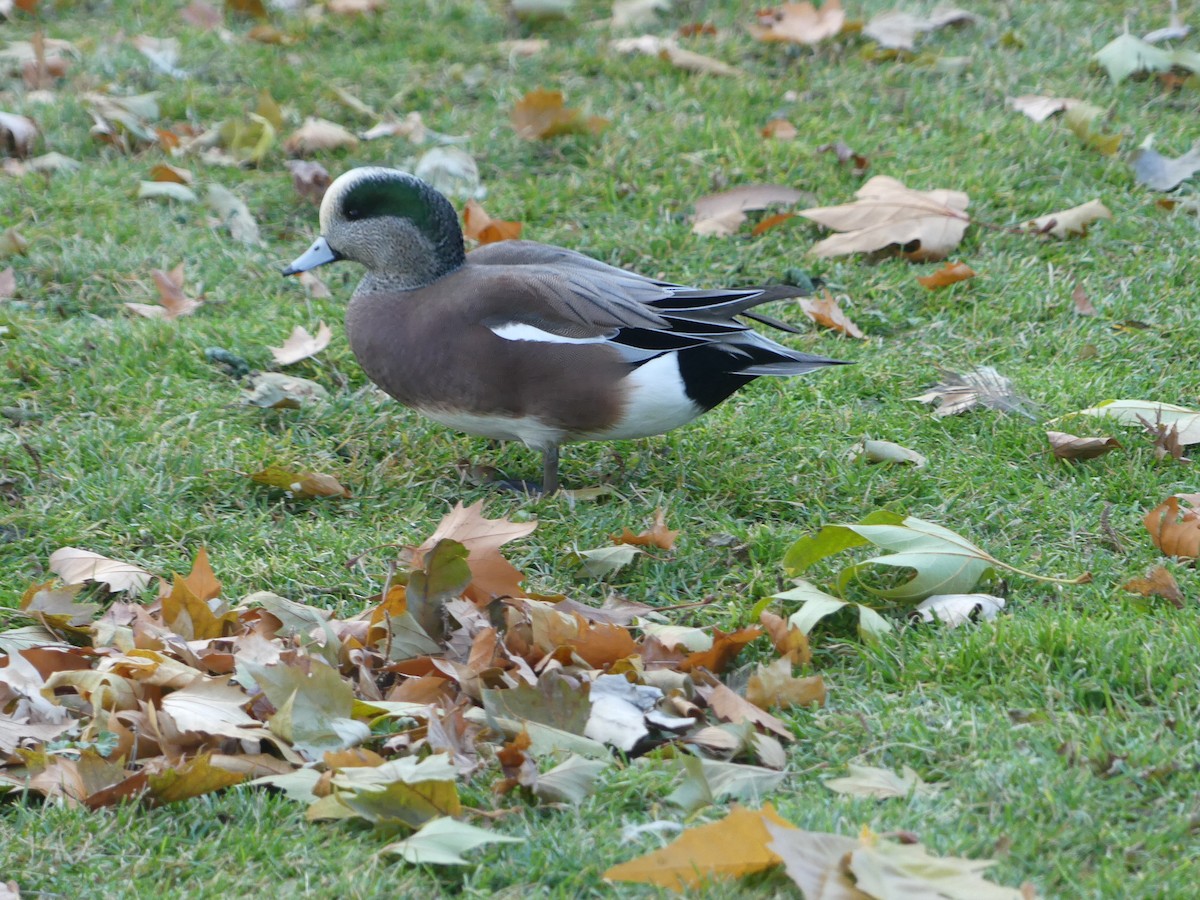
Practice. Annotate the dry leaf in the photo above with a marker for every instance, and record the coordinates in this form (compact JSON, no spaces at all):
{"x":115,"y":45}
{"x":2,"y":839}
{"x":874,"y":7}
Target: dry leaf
{"x":1083,"y":305}
{"x":1157,"y":583}
{"x":316,"y":135}
{"x":234,"y":214}
{"x":75,"y":566}
{"x":173,"y":174}
{"x":950,"y":273}
{"x":657,"y":535}
{"x":301,"y":345}
{"x":310,"y":179}
{"x":479,"y":226}
{"x":1079,"y":118}
{"x":826,"y":312}
{"x":302,"y":485}
{"x":1070,"y":221}
{"x":1068,"y":446}
{"x":800,"y":23}
{"x":775,"y":685}
{"x":845,"y":154}
{"x":1176,"y":531}
{"x":523,"y":47}
{"x":872,"y":781}
{"x":898,"y":30}
{"x":315,"y":287}
{"x":953,"y":610}
{"x":173,"y":302}
{"x":721,"y":215}
{"x":163,"y":53}
{"x":491,"y":574}
{"x":668,"y":48}
{"x":925,"y":225}
{"x":637,"y":13}
{"x":355,"y":7}
{"x":885,"y":451}
{"x":780,"y":129}
{"x":17,"y":134}
{"x":251,"y":8}
{"x":275,"y":390}
{"x":1160,"y":173}
{"x":772,"y":221}
{"x":1041,"y":108}
{"x":983,"y":386}
{"x":541,"y":115}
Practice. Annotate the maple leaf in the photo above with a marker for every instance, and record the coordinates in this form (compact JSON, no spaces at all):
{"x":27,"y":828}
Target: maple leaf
{"x":1068,"y":446}
{"x":173,"y":301}
{"x":301,"y":345}
{"x":541,"y":115}
{"x":194,"y":778}
{"x":925,"y":225}
{"x":825,"y":311}
{"x":479,"y":226}
{"x":982,"y":386}
{"x":1070,"y":221}
{"x":657,"y":535}
{"x":723,"y":213}
{"x":800,"y":23}
{"x":872,"y":781}
{"x":775,"y":685}
{"x":75,"y":566}
{"x":1176,"y":531}
{"x":491,"y":574}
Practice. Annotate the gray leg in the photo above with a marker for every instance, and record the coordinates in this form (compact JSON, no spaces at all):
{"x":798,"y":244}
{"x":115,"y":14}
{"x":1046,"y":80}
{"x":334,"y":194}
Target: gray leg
{"x":550,"y":471}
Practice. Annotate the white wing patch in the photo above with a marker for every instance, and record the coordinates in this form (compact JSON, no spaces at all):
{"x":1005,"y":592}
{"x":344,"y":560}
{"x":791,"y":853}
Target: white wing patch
{"x":520,"y":331}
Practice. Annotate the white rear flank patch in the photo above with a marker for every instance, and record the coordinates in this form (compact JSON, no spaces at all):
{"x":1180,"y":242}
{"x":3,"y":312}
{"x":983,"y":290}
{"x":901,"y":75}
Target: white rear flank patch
{"x":657,"y":401}
{"x":520,"y":331}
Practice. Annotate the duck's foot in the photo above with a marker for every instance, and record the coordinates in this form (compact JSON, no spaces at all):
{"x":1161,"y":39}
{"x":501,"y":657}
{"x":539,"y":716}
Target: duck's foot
{"x":477,"y":474}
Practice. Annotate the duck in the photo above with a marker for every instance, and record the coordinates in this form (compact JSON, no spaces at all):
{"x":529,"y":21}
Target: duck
{"x":519,"y":340}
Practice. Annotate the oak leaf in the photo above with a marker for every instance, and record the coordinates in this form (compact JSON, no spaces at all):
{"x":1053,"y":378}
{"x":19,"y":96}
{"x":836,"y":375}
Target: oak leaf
{"x":924,"y":225}
{"x":800,"y":23}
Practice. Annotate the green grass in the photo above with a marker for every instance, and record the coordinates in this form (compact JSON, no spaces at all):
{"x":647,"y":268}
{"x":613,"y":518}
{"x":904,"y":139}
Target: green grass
{"x":1064,"y":734}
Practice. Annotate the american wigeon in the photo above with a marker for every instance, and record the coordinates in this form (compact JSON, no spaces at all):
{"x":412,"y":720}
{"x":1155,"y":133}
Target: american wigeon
{"x":526,"y":341}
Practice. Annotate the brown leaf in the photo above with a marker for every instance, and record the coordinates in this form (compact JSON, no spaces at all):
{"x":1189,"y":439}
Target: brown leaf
{"x":780,"y":129}
{"x":301,"y":345}
{"x":790,"y":642}
{"x":950,"y":273}
{"x":541,"y":114}
{"x":657,"y":535}
{"x":602,"y":645}
{"x":800,"y":23}
{"x":1040,"y":108}
{"x":826,"y":312}
{"x":770,"y":222}
{"x":923,"y":225}
{"x":1157,"y":583}
{"x":310,"y":179}
{"x":775,"y":685}
{"x":314,"y":286}
{"x":193,"y":778}
{"x":1068,"y":446}
{"x":898,"y":30}
{"x":983,"y":386}
{"x":492,"y":575}
{"x":1175,"y":531}
{"x":1083,"y":304}
{"x":315,"y":135}
{"x":845,"y":154}
{"x":174,"y":303}
{"x":17,"y":134}
{"x":169,"y":173}
{"x":1070,"y":221}
{"x":724,"y":650}
{"x":479,"y":226}
{"x":722,"y":214}
{"x":301,"y":485}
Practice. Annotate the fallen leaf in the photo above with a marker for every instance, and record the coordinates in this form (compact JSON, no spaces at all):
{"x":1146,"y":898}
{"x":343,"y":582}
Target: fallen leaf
{"x":166,"y":190}
{"x":735,"y":846}
{"x":301,"y":345}
{"x":925,"y":225}
{"x":770,"y":222}
{"x":845,"y":154}
{"x":310,"y":179}
{"x":442,"y":841}
{"x":722,"y":214}
{"x":314,"y":286}
{"x":1157,"y":583}
{"x":950,"y":273}
{"x":491,"y":574}
{"x":8,"y":283}
{"x":1040,"y":108}
{"x":524,"y":47}
{"x":885,"y":451}
{"x":275,"y":390}
{"x":1068,"y":446}
{"x":898,"y":30}
{"x":1151,"y":413}
{"x":450,"y":171}
{"x":711,"y":781}
{"x":953,"y":610}
{"x":982,"y":386}
{"x":1083,"y":304}
{"x":315,"y":135}
{"x":541,"y":115}
{"x":234,"y":214}
{"x":1176,"y":531}
{"x":604,"y":561}
{"x":163,"y":53}
{"x":775,"y":685}
{"x":780,"y":129}
{"x":800,"y":23}
{"x":657,"y":535}
{"x":169,"y":173}
{"x":202,"y":15}
{"x":826,"y":312}
{"x":1069,"y":221}
{"x":355,"y":7}
{"x":872,"y":781}
{"x":253,"y":9}
{"x":637,"y":13}
{"x":17,"y":134}
{"x":1160,"y":173}
{"x":542,"y":9}
{"x":173,"y":301}
{"x":1127,"y":55}
{"x":123,"y":121}
{"x":301,"y":485}
{"x":75,"y":566}
{"x":479,"y":226}
{"x":668,"y":48}
{"x":1079,"y":118}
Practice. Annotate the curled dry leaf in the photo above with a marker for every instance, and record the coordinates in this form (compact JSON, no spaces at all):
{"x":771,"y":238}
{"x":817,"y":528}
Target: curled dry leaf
{"x":166,"y":190}
{"x":355,"y":7}
{"x":310,"y":179}
{"x":173,"y":302}
{"x":886,"y":452}
{"x":953,"y":610}
{"x":800,"y":23}
{"x":775,"y":686}
{"x":275,"y":390}
{"x":17,"y":134}
{"x":1070,"y":221}
{"x":316,"y":135}
{"x":451,"y":171}
{"x":479,"y":226}
{"x":637,"y":13}
{"x":411,"y":127}
{"x":845,"y":154}
{"x":1157,"y":583}
{"x":898,"y":30}
{"x":301,"y":345}
{"x":668,"y":48}
{"x":541,"y":115}
{"x":302,"y":485}
{"x":826,"y":312}
{"x":657,"y":535}
{"x":950,"y":273}
{"x":720,"y":215}
{"x":1041,"y":108}
{"x":1068,"y":446}
{"x":202,"y":15}
{"x":1174,"y":530}
{"x":75,"y":566}
{"x":780,"y":129}
{"x":924,"y":225}
{"x":1160,"y":173}
{"x":982,"y":386}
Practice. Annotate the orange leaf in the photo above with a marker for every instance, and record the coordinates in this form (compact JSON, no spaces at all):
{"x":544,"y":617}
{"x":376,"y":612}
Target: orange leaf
{"x":780,"y":129}
{"x":602,"y":645}
{"x":541,"y":114}
{"x":479,"y":226}
{"x":724,"y":649}
{"x":950,"y":273}
{"x":770,"y":222}
{"x":825,"y":311}
{"x":800,"y":23}
{"x":1157,"y":583}
{"x":491,"y":574}
{"x":657,"y":535}
{"x":733,"y":847}
{"x":1174,"y":531}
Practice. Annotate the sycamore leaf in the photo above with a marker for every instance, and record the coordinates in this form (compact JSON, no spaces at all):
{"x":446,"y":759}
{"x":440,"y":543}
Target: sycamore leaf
{"x":1127,"y":55}
{"x":1140,"y":412}
{"x":1068,"y":446}
{"x":657,"y":535}
{"x":1160,"y":173}
{"x":774,"y":685}
{"x":818,"y":605}
{"x":982,"y":386}
{"x":302,"y":485}
{"x":275,"y":390}
{"x":571,"y":781}
{"x":442,"y":841}
{"x":491,"y":574}
{"x":313,"y":704}
{"x":1079,"y":118}
{"x":871,"y":781}
{"x":301,"y":345}
{"x":479,"y":226}
{"x":1070,"y":221}
{"x":1158,"y":583}
{"x":898,"y":30}
{"x":404,"y":792}
{"x":709,"y":781}
{"x":813,"y":860}
{"x":174,"y":302}
{"x":925,"y":225}
{"x":316,"y":135}
{"x":800,"y":23}
{"x":721,"y":214}
{"x":541,"y":115}
{"x":826,"y":312}
{"x":1176,"y":531}
{"x":57,"y":608}
{"x":732,"y":847}
{"x":1040,"y":108}
{"x":193,"y":778}
{"x":950,"y":273}
{"x":75,"y":566}
{"x":953,"y":610}
{"x":618,"y":714}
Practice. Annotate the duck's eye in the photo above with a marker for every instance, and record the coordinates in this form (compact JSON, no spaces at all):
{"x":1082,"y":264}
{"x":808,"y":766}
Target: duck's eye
{"x":354,"y":213}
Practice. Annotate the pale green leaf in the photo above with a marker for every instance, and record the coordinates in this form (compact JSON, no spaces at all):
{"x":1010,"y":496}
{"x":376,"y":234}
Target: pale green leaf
{"x":1128,"y":55}
{"x":570,"y":781}
{"x":442,"y":841}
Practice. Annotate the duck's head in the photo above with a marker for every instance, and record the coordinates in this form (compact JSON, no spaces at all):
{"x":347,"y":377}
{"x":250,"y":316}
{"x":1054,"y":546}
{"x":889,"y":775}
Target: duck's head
{"x":396,"y":225}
